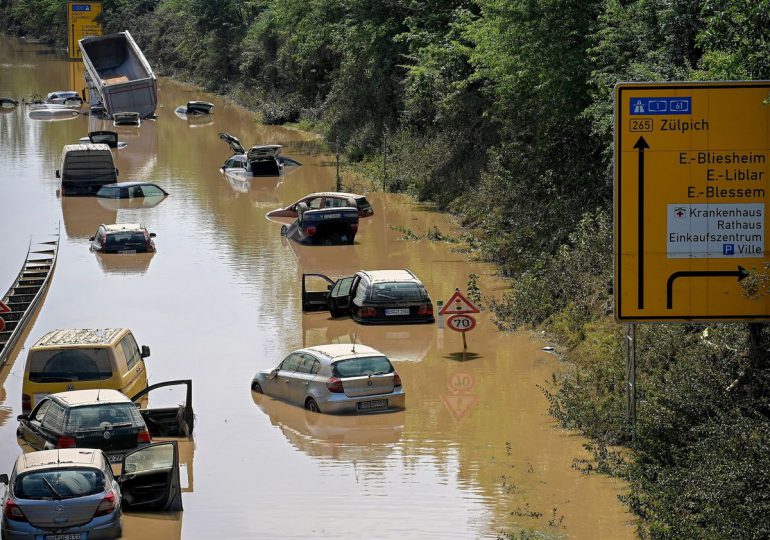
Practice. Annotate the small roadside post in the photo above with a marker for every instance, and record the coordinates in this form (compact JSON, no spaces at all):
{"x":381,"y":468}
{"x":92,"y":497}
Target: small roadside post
{"x":459,"y":308}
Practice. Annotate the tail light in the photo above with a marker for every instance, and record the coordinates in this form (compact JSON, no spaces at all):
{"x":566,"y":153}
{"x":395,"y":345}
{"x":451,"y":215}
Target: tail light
{"x":143,"y":437}
{"x":310,"y":231}
{"x":26,"y":403}
{"x":12,"y":511}
{"x":354,"y":227}
{"x":334,"y":384}
{"x":396,"y":379}
{"x":425,"y":309}
{"x":367,"y":312}
{"x":66,"y":442}
{"x":107,"y":505}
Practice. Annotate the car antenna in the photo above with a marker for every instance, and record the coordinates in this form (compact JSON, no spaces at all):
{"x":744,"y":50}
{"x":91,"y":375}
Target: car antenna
{"x":99,"y":391}
{"x":354,"y":343}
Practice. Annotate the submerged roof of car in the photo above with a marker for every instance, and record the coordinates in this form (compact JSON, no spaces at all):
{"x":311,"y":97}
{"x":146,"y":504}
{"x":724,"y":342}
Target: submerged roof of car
{"x":129,"y":184}
{"x":334,"y":194}
{"x":47,"y":459}
{"x":343,"y":351}
{"x":80,"y":336}
{"x":120,"y":227}
{"x":85,"y":147}
{"x":380,"y":276}
{"x":96,"y":396}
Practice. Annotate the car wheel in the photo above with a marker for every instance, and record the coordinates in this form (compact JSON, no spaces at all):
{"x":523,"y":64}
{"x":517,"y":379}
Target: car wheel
{"x":311,"y":405}
{"x":255,"y":386}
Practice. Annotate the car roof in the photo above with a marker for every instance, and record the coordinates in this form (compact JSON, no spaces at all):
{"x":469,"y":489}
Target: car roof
{"x":129,"y":184}
{"x":51,"y":459}
{"x":334,"y":194}
{"x":96,"y":396}
{"x":381,"y":276}
{"x":120,"y":227}
{"x":85,"y":147}
{"x":343,"y":351}
{"x":80,"y":336}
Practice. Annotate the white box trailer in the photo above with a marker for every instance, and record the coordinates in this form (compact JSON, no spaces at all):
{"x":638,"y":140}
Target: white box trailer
{"x":118,"y":75}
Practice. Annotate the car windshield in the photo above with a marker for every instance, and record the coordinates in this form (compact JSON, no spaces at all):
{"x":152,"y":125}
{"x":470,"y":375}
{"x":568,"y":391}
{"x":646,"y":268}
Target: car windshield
{"x":109,"y":192}
{"x":400,"y":291}
{"x":58,"y":484}
{"x":97,"y":416}
{"x":69,"y":365}
{"x":125,"y":238}
{"x":361,"y":367}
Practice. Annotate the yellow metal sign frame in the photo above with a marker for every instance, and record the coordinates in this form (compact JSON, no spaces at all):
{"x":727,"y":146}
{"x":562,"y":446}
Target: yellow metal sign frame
{"x":83,"y":20}
{"x":691,"y":189}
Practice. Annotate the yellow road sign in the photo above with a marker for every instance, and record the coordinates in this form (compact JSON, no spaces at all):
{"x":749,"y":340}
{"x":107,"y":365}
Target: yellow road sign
{"x":83,"y":20}
{"x":691,"y":193}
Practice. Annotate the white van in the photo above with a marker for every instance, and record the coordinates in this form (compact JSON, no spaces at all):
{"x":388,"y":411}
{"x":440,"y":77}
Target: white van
{"x":85,"y":168}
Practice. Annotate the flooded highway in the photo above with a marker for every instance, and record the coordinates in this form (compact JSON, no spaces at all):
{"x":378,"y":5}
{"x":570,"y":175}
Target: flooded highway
{"x":474,"y":453}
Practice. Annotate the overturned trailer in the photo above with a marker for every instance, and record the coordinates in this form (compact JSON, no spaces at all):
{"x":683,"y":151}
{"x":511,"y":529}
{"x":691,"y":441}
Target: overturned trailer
{"x":118,"y":75}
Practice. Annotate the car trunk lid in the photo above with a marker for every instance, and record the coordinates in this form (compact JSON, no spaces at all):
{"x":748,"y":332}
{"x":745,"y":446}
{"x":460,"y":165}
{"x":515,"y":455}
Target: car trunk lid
{"x":60,"y":514}
{"x":369,"y":385}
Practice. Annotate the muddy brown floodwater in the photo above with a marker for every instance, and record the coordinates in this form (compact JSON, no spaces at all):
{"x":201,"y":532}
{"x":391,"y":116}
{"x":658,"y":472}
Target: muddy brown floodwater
{"x":475,"y":453}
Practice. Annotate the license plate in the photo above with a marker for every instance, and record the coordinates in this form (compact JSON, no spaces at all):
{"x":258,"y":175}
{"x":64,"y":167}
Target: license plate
{"x":112,"y":458}
{"x":373,"y":404}
{"x":126,"y":251}
{"x":71,"y":536}
{"x":332,"y":216}
{"x":399,"y":311}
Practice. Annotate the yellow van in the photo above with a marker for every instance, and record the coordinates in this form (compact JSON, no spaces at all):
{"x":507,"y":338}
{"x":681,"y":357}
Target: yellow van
{"x":83,"y":359}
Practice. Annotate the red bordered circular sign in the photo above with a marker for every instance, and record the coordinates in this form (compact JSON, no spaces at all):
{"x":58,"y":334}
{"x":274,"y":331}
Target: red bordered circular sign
{"x":461,"y":323}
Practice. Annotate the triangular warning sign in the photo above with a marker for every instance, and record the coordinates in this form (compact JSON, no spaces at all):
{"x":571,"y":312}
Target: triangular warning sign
{"x":458,"y":405}
{"x":458,"y":304}
{"x":4,"y":308}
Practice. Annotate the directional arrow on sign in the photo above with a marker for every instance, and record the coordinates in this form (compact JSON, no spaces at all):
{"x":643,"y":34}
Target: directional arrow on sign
{"x":641,"y":145}
{"x":741,"y":274}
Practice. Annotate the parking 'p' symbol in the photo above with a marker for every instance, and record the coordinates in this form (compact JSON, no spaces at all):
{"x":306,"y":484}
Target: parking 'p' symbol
{"x":728,"y":249}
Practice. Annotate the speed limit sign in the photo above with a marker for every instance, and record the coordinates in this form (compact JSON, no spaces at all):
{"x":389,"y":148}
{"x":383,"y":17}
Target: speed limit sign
{"x":461,"y":323}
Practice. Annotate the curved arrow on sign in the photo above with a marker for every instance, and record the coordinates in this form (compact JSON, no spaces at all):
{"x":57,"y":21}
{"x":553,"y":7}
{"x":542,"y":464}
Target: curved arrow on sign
{"x":741,"y":274}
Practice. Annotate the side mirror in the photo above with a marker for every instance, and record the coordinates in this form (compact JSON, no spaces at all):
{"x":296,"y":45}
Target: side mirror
{"x":92,"y":238}
{"x":274,"y":373}
{"x":145,"y":351}
{"x":58,"y":174}
{"x":329,"y":287}
{"x":4,"y":479}
{"x":153,"y":235}
{"x":22,"y":417}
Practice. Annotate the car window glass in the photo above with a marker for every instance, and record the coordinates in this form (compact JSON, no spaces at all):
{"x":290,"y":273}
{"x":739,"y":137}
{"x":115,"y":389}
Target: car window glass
{"x":362,"y":202}
{"x":109,"y":192}
{"x":342,"y":287}
{"x":126,"y":238}
{"x":130,"y":350}
{"x":306,"y":366}
{"x":54,"y":418}
{"x":360,"y":367}
{"x":360,"y":293}
{"x":69,"y":365}
{"x":95,"y":416}
{"x":41,"y":411}
{"x":68,"y":483}
{"x":314,"y":204}
{"x":154,"y":458}
{"x":135,"y":191}
{"x":335,"y":202}
{"x":291,"y":363}
{"x":390,"y":291}
{"x":152,"y":191}
{"x":316,"y":367}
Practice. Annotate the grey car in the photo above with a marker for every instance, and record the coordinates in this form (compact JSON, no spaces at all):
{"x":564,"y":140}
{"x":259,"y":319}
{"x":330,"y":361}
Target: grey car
{"x":341,"y":378}
{"x":70,"y":494}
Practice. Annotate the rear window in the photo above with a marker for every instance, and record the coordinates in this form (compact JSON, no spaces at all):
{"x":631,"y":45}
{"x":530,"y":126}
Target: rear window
{"x":362,"y":202}
{"x":110,"y":192}
{"x":97,"y":416}
{"x":58,"y":484}
{"x":125,"y":237}
{"x":360,"y":367}
{"x":69,"y":365}
{"x":400,"y":291}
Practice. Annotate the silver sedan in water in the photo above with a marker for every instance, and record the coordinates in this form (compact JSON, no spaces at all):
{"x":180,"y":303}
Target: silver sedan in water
{"x":343,"y":378}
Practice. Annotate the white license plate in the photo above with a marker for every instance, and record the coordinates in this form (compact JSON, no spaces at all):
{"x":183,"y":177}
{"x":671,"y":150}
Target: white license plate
{"x":332,"y":216}
{"x":126,"y":251}
{"x":71,"y":536}
{"x":398,"y":311}
{"x":373,"y":404}
{"x":115,"y":458}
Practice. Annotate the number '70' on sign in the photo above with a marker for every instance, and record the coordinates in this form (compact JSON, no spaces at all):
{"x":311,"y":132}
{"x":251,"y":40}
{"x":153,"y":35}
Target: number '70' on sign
{"x":461,"y":323}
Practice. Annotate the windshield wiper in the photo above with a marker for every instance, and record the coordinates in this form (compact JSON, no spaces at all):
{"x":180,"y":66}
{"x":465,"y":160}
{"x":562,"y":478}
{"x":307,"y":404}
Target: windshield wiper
{"x":56,"y":494}
{"x":53,"y":378}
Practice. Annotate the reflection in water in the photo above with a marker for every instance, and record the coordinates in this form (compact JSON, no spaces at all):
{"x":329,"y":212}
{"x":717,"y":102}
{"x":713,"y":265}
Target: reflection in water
{"x":223,"y":301}
{"x":260,"y":189}
{"x":117,"y":263}
{"x":138,"y":202}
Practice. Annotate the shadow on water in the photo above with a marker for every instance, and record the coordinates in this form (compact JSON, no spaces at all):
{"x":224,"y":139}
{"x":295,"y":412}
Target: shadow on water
{"x":464,"y":356}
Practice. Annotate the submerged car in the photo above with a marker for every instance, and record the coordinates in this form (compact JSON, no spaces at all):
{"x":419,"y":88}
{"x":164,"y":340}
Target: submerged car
{"x":345,"y":378}
{"x":123,"y":238}
{"x":110,"y":138}
{"x":371,"y":297}
{"x":104,"y":419}
{"x":260,"y":160}
{"x":131,"y":190}
{"x":8,"y":104}
{"x":73,"y":493}
{"x":194,"y":108}
{"x":68,"y":97}
{"x":323,"y":227}
{"x":328,"y":199}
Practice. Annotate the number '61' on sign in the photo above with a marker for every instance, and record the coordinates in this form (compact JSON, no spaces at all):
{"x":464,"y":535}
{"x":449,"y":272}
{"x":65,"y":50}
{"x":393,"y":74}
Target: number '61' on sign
{"x":461,"y":323}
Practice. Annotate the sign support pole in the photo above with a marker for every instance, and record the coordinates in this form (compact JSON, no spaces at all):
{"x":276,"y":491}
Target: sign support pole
{"x":631,"y":375}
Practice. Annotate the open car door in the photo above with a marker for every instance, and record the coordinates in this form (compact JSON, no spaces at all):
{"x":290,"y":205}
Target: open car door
{"x":313,"y":297}
{"x":150,"y":478}
{"x":176,"y":421}
{"x":235,"y":144}
{"x":339,"y":296}
{"x":110,"y":138}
